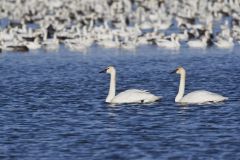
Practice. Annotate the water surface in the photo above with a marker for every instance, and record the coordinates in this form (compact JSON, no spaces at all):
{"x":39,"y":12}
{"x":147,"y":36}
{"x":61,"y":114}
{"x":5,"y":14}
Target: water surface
{"x":52,"y":105}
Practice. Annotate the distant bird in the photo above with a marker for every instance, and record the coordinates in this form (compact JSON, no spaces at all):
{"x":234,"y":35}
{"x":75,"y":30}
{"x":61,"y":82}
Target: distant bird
{"x":198,"y":43}
{"x":170,"y":44}
{"x":18,"y":48}
{"x":224,"y":43}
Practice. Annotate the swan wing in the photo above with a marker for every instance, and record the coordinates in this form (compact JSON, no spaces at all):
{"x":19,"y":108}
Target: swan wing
{"x":135,"y":96}
{"x":202,"y":96}
{"x":224,"y":44}
{"x":196,"y":43}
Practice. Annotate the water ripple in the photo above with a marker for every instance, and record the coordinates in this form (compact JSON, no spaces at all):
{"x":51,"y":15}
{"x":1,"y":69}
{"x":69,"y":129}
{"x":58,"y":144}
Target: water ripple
{"x":52,"y":107}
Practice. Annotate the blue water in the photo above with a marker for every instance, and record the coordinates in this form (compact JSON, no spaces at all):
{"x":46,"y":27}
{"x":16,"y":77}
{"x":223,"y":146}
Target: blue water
{"x":52,"y":105}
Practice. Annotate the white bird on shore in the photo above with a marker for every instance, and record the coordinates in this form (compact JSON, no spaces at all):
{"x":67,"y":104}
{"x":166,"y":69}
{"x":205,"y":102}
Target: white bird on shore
{"x":224,"y":43}
{"x":50,"y":44}
{"x":196,"y":97}
{"x":198,"y":43}
{"x":169,"y":44}
{"x":128,"y":96}
{"x":34,"y":45}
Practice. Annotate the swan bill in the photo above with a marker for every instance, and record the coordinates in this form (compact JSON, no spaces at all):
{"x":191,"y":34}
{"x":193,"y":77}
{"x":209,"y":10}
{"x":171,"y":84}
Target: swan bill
{"x":103,"y":71}
{"x":109,"y":69}
{"x":177,"y":69}
{"x":174,"y":71}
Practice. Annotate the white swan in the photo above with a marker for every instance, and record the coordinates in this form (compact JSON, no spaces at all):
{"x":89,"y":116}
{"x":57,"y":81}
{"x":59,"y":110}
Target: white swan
{"x":50,"y":44}
{"x":34,"y":45}
{"x":128,"y":96}
{"x":225,"y":43}
{"x":196,"y":97}
{"x":198,"y":43}
{"x":169,"y":44}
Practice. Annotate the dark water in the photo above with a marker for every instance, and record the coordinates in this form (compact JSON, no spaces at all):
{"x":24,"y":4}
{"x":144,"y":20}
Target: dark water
{"x":52,"y":106}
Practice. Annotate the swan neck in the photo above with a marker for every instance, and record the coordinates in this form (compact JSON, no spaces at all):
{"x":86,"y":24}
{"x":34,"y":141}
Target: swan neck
{"x":181,"y":87}
{"x":112,"y":89}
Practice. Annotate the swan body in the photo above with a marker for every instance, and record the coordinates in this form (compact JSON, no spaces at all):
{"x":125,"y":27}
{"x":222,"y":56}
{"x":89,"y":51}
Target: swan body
{"x":222,"y":43}
{"x":183,"y":36}
{"x":142,"y":40}
{"x":128,"y":96}
{"x":129,"y":44}
{"x":202,"y":96}
{"x":34,"y":45}
{"x":170,"y":44}
{"x":51,"y":44}
{"x":197,"y":43}
{"x":134,"y":96}
{"x":110,"y":43}
{"x":196,"y":97}
{"x":164,"y":25}
{"x":77,"y":47}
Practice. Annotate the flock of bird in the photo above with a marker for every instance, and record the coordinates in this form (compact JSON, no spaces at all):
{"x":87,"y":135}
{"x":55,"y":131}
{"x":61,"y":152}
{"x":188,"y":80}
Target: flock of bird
{"x":78,"y":24}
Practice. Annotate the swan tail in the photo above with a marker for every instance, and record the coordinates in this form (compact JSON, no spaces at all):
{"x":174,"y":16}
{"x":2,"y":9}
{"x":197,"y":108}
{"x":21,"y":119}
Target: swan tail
{"x":153,"y":99}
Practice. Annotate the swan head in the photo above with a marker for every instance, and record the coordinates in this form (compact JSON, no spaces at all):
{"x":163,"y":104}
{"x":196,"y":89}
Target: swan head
{"x":179,"y":70}
{"x":109,"y":70}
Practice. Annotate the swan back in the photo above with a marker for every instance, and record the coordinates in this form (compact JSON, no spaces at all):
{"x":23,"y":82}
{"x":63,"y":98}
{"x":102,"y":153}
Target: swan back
{"x":202,"y":96}
{"x":135,"y":96}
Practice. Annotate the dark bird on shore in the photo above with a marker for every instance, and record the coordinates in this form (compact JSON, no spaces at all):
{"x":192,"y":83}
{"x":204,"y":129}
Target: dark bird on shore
{"x":20,"y":48}
{"x":50,"y":31}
